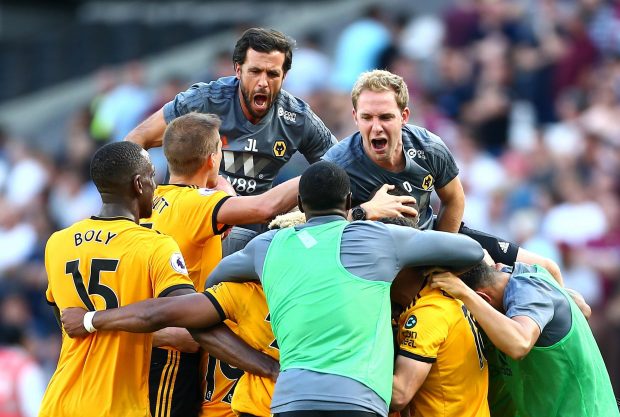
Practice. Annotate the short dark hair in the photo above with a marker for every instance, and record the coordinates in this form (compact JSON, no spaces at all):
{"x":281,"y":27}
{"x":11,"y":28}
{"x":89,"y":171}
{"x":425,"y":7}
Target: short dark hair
{"x":324,"y":185}
{"x":480,"y":276}
{"x":399,"y":221}
{"x":114,"y":165}
{"x":264,"y":40}
{"x":188,"y":141}
{"x":400,"y":191}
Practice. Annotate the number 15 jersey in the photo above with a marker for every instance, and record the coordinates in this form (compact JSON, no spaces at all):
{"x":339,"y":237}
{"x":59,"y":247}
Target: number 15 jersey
{"x":99,"y":264}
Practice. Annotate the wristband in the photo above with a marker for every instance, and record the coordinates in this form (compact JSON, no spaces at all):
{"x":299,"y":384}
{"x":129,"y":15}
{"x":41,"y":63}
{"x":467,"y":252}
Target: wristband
{"x":88,"y":321}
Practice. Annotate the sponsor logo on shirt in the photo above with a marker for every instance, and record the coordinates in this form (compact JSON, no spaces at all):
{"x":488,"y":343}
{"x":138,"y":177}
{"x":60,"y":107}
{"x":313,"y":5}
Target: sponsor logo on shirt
{"x":412,"y":153}
{"x":279,"y":148}
{"x":288,"y":116}
{"x":411,"y":322}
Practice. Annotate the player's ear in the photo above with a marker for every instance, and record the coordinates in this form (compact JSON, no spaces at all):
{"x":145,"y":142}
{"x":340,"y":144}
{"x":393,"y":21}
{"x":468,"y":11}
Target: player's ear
{"x":237,"y":70}
{"x":484,"y":296}
{"x":348,"y":202}
{"x":136,"y":183}
{"x":355,"y":116}
{"x":300,"y":204}
{"x":405,"y":115}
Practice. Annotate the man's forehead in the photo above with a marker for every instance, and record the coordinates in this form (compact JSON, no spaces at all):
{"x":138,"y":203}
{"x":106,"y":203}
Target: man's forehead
{"x":377,"y":102}
{"x":271,"y":59}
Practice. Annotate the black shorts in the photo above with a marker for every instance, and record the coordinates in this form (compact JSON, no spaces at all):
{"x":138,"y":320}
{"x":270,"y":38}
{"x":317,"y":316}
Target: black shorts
{"x":174,"y":384}
{"x":500,"y":250}
{"x":318,"y":413}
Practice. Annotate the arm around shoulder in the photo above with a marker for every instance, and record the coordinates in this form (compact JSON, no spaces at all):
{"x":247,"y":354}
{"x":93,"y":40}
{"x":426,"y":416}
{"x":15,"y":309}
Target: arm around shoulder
{"x":260,"y":208}
{"x":438,"y":249}
{"x":514,"y":336}
{"x":223,"y":344}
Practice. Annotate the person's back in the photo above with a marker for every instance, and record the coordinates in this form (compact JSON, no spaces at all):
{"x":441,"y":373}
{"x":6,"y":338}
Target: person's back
{"x":185,"y":212}
{"x":245,"y":306}
{"x":327,"y":286}
{"x":298,"y":288}
{"x":104,"y":263}
{"x":438,"y":328}
{"x":564,"y":374}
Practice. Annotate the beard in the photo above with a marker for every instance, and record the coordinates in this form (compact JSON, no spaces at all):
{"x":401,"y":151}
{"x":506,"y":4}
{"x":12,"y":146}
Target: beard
{"x":248,"y":100}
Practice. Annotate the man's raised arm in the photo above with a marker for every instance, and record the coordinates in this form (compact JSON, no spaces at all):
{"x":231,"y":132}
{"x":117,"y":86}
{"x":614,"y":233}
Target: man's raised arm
{"x":149,"y":133}
{"x":260,"y":208}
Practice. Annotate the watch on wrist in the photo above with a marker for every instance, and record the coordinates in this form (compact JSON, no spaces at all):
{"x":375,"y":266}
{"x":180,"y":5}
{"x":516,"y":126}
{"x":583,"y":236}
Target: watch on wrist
{"x":358,"y":213}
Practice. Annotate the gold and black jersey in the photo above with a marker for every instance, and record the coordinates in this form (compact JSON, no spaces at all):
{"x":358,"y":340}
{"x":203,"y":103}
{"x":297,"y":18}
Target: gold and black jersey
{"x":99,"y":264}
{"x":244,"y":305}
{"x":438,"y":329}
{"x":189,"y":215}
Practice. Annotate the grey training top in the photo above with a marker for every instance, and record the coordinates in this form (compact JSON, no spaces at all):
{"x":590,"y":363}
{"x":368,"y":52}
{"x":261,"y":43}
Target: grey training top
{"x":525,"y":295}
{"x":252,"y":154}
{"x":428,"y":165}
{"x":369,"y":250}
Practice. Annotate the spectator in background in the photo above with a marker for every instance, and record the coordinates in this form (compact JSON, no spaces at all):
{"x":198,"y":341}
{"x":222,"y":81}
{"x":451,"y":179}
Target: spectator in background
{"x":18,"y":237}
{"x":124,"y":106}
{"x":311,"y":70}
{"x":359,"y":47}
{"x":22,"y":382}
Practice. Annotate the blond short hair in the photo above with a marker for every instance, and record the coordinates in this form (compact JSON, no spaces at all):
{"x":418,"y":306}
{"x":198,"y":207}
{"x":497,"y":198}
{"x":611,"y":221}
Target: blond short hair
{"x":189,"y":140}
{"x":292,"y":218}
{"x":381,"y":80}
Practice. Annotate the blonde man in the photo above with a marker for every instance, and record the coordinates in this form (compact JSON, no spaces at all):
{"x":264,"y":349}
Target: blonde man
{"x":389,"y":150}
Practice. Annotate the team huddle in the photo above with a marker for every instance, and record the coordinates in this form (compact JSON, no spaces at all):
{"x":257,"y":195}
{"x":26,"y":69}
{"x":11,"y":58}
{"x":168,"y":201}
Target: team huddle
{"x":361,"y":302}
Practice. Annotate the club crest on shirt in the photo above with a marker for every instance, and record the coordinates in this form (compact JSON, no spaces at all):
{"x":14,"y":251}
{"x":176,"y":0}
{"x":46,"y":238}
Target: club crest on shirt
{"x":427,"y":182}
{"x":279,"y":148}
{"x":178,"y":263}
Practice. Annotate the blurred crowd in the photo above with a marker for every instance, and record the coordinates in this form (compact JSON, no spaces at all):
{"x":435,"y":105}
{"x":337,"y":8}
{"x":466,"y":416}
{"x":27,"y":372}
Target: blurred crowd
{"x":526,"y":94}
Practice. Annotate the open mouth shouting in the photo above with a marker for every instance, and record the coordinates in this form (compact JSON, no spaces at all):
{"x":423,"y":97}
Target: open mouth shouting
{"x":260,"y":102}
{"x":379,"y":145}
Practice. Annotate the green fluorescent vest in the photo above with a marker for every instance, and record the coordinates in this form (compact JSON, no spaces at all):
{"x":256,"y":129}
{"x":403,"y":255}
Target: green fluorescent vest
{"x":326,"y":319}
{"x":568,"y":378}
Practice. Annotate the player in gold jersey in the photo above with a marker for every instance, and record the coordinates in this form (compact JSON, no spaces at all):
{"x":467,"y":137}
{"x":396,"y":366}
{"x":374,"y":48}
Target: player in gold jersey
{"x":245,"y":305}
{"x":102,"y":263}
{"x":439,"y":364}
{"x":195,"y":216}
{"x":244,"y":309}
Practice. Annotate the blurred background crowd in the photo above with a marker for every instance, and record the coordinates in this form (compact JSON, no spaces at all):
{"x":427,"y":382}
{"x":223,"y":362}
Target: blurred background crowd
{"x":525,"y":93}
